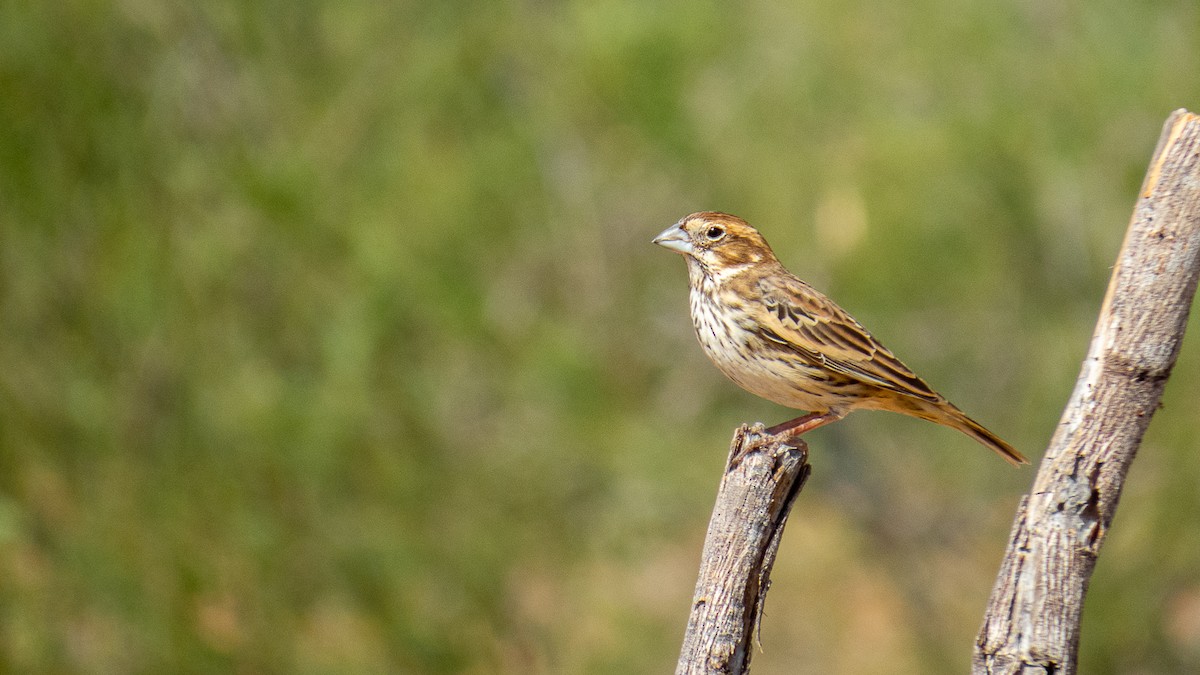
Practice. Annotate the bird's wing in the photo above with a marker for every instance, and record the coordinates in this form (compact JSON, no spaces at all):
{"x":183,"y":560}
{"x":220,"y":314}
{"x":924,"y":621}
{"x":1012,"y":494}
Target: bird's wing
{"x":802,"y":319}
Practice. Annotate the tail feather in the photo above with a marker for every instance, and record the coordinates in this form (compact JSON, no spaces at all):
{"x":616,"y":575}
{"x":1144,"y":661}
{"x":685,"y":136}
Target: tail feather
{"x":947,"y":414}
{"x":977,"y":431}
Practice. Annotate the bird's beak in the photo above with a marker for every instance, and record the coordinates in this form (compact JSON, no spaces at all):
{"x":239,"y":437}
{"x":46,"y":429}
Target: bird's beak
{"x":675,"y":239}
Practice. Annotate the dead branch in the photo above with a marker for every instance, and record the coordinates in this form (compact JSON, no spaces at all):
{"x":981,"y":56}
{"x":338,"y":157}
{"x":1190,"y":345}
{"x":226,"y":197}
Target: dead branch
{"x":1032,"y":621}
{"x":762,"y":479}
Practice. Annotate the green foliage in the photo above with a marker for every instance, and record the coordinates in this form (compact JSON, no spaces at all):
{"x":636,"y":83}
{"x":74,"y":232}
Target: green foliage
{"x":331,"y":338}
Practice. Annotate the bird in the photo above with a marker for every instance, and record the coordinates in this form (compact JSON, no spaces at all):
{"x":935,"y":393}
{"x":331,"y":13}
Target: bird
{"x":781,"y":339}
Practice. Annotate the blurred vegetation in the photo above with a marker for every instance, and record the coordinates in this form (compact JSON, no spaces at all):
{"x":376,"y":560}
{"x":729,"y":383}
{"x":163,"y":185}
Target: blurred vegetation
{"x":332,"y":340}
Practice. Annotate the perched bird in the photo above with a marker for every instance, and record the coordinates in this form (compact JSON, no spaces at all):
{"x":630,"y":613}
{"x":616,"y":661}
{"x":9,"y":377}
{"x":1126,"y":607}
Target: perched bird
{"x":781,"y":339}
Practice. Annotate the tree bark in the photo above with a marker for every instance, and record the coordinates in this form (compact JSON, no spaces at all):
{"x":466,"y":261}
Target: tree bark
{"x":761,"y":481}
{"x":1032,"y":621}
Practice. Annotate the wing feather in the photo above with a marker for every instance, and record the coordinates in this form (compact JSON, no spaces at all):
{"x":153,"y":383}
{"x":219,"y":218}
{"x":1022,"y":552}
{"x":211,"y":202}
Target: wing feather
{"x":802,"y":319}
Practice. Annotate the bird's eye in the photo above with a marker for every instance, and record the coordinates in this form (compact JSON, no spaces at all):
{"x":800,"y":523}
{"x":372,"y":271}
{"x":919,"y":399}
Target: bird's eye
{"x":714,"y":233}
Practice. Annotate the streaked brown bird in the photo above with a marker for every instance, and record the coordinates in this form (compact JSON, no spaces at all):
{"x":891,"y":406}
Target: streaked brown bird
{"x":779,"y":338}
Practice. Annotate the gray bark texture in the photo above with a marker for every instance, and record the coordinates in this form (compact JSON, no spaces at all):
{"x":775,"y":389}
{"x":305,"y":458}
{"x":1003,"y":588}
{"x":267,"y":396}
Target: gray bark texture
{"x":1032,"y":621}
{"x":761,"y":481}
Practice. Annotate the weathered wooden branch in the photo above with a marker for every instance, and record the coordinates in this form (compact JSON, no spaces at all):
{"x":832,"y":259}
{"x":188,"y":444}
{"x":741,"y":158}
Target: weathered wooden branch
{"x":761,"y":481}
{"x":1032,"y":622}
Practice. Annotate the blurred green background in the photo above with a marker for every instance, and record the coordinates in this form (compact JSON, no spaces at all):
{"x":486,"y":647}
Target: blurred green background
{"x":332,"y":339}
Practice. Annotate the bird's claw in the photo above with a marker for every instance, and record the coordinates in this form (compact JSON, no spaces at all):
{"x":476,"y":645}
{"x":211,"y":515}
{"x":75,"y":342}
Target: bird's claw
{"x":753,"y":438}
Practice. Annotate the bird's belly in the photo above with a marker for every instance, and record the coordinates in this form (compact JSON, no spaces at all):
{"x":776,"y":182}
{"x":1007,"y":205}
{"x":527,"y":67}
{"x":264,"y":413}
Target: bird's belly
{"x":795,"y":387}
{"x":761,"y":368}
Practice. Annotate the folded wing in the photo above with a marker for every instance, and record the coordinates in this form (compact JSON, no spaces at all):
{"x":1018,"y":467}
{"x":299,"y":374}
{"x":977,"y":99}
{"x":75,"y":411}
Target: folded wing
{"x":805,"y":321}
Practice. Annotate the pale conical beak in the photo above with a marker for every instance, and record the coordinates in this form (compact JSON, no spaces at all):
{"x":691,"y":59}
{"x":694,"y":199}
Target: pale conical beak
{"x":675,"y":239}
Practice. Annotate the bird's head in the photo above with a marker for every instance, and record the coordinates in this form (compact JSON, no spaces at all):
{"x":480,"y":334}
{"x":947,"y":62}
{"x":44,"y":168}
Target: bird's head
{"x":715,"y":242}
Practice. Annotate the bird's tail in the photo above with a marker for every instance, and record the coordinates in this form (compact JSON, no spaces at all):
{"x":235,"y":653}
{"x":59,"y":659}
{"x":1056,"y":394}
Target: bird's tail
{"x":980,"y":433}
{"x":946,"y":414}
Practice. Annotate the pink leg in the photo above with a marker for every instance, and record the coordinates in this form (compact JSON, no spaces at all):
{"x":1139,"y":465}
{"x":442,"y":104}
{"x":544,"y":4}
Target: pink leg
{"x":787,"y":431}
{"x":804,"y":423}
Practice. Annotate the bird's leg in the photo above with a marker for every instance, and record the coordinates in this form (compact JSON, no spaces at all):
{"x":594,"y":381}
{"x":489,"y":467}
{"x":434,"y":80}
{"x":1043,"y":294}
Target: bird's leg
{"x":804,"y":423}
{"x":785,"y":432}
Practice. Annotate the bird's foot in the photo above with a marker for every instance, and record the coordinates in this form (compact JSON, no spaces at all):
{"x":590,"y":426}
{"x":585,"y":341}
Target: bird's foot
{"x":748,"y":438}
